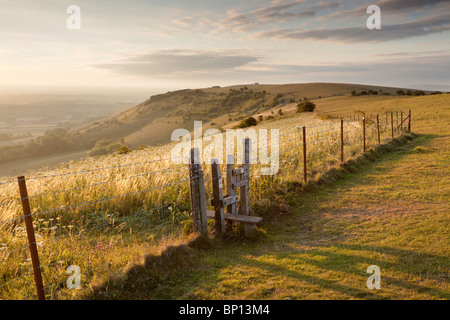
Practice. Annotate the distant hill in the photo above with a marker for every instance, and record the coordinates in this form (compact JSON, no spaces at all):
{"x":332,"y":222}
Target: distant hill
{"x":153,"y":121}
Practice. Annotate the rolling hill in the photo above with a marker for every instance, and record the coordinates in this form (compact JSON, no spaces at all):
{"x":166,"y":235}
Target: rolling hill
{"x":152,"y":121}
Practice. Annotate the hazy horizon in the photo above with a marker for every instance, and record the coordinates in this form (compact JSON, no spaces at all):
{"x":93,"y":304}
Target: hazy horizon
{"x":178,"y":44}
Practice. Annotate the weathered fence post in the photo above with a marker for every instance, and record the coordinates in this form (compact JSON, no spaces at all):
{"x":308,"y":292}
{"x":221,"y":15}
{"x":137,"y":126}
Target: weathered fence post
{"x":231,"y":179}
{"x":378,"y":129}
{"x":401,"y":122}
{"x":31,"y":238}
{"x":244,"y":190}
{"x":305,"y":170}
{"x":218,"y":198}
{"x":409,"y":121}
{"x":364,"y":134}
{"x":342,"y":141}
{"x":203,"y":206}
{"x":198,"y":194}
{"x":392,"y":124}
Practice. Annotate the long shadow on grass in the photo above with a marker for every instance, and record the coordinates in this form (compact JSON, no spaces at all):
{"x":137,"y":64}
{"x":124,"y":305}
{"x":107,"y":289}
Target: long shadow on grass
{"x":328,"y":258}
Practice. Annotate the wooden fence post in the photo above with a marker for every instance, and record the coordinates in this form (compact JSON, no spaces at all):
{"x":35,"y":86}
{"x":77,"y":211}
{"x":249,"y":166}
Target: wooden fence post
{"x":342,"y":141}
{"x":378,"y":128}
{"x":31,"y":238}
{"x":195,"y":195}
{"x":392,"y":124}
{"x":244,"y":190}
{"x":198,"y":194}
{"x":203,"y":205}
{"x":305,"y":171}
{"x":231,"y":179}
{"x":218,"y":198}
{"x":364,"y":134}
{"x":401,"y":122}
{"x":409,"y":121}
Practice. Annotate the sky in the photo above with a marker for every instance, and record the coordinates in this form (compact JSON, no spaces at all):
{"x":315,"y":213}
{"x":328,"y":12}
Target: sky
{"x":177,"y":44}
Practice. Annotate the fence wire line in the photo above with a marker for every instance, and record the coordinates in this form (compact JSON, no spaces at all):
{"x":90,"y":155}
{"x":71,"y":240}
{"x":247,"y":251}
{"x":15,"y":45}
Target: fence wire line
{"x":92,"y":185}
{"x":101,"y":183}
{"x":8,"y":202}
{"x":84,"y":204}
{"x":7,"y":182}
{"x":104,"y":168}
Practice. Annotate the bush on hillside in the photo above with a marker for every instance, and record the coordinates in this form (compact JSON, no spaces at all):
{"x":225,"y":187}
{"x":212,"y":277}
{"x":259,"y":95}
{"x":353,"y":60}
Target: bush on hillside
{"x":306,"y":106}
{"x":247,"y":122}
{"x":106,"y":146}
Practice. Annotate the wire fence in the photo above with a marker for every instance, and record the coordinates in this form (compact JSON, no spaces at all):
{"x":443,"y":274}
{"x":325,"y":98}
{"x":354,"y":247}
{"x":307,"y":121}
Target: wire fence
{"x":103,"y":219}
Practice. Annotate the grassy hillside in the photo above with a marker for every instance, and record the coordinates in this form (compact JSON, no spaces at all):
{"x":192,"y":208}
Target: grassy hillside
{"x":153,"y":121}
{"x":391,"y":211}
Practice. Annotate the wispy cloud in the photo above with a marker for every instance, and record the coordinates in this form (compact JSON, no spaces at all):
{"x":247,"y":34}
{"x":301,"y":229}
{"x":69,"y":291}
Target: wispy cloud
{"x":237,"y":22}
{"x":391,"y":8}
{"x":272,"y":21}
{"x":418,"y":27}
{"x":176,"y":62}
{"x":280,"y":12}
{"x":384,"y":69}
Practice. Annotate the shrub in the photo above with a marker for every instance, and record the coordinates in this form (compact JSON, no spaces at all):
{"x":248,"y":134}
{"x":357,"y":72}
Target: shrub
{"x":123,"y":150}
{"x":306,"y":106}
{"x":247,"y":122}
{"x":107,"y":146}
